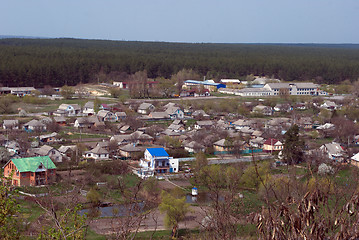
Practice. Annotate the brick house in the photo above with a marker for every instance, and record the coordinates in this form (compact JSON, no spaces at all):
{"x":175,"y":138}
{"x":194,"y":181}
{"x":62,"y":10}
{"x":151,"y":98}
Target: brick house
{"x":31,"y":171}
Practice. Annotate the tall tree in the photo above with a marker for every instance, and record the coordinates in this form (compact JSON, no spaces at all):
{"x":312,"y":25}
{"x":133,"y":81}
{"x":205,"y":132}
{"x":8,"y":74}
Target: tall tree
{"x":293,"y":146}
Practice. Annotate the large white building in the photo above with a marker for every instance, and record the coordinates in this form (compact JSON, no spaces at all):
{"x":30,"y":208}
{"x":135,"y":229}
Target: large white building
{"x":304,"y":88}
{"x":275,"y":89}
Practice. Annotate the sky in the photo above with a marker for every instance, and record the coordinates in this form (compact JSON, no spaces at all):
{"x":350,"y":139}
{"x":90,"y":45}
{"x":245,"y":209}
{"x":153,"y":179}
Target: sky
{"x":216,"y":21}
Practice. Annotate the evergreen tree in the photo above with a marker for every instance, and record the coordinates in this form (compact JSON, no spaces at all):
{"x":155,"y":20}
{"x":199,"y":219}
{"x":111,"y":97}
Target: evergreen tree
{"x":293,"y":146}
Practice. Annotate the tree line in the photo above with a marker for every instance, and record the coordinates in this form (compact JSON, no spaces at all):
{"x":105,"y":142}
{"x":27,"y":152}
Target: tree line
{"x":58,"y":62}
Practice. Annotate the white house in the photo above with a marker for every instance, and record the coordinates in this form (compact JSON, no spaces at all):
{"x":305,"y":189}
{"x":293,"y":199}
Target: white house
{"x":68,"y":110}
{"x":89,"y":108}
{"x":334,"y":151}
{"x":157,"y":160}
{"x":175,"y":112}
{"x":11,"y":124}
{"x":34,"y":125}
{"x":106,"y":116}
{"x":98,"y":153}
{"x":47,"y":150}
{"x":145,"y":108}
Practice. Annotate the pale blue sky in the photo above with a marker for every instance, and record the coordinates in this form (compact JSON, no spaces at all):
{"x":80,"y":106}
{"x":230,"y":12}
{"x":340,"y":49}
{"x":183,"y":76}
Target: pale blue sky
{"x":234,"y":21}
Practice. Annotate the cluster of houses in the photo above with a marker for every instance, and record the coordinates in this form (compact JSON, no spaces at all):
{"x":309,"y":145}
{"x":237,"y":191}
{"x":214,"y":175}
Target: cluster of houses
{"x":192,"y":130}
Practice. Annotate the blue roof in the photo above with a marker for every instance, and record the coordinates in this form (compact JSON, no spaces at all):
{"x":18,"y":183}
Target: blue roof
{"x":218,"y":85}
{"x":158,"y":152}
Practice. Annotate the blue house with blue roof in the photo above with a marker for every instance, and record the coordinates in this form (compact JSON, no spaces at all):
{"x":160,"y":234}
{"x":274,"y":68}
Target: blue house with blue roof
{"x":157,"y":160}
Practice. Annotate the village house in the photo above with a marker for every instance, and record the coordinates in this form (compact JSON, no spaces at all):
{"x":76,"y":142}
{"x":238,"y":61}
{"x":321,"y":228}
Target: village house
{"x":47,"y":150}
{"x":32,"y":171}
{"x":87,"y":122}
{"x":157,"y":160}
{"x":142,"y":138}
{"x":272,"y":144}
{"x":283,"y":107}
{"x":334,"y":151}
{"x":261,"y":109}
{"x":98,"y":153}
{"x":13,"y":148}
{"x":176,"y":127}
{"x":89,"y":108}
{"x":194,"y":147}
{"x":306,"y":123}
{"x":60,"y":120}
{"x":329,"y":105}
{"x":21,"y":91}
{"x":68,"y":110}
{"x":241,"y":123}
{"x":67,"y":151}
{"x":355,"y":160}
{"x":158,"y":116}
{"x":106,"y":116}
{"x":10,"y":124}
{"x":129,"y":151}
{"x":175,"y":112}
{"x":200,"y":113}
{"x":34,"y":125}
{"x":122,"y":139}
{"x":121,"y":116}
{"x":145,"y":108}
{"x":49,"y":138}
{"x":223,"y":146}
{"x":203,"y":124}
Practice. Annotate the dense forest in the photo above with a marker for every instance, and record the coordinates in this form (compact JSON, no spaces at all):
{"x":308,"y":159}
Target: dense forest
{"x":56,"y":62}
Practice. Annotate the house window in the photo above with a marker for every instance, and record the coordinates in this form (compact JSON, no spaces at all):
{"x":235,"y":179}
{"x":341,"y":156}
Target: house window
{"x":32,"y":174}
{"x":23,"y":174}
{"x":17,"y":174}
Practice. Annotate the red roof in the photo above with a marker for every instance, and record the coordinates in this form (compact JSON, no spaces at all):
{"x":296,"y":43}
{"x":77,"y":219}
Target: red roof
{"x":271,"y":141}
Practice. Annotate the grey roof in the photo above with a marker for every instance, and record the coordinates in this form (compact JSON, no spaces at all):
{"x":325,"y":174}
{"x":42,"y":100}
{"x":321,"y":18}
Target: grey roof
{"x":103,"y":144}
{"x":60,"y":119}
{"x":89,"y":104}
{"x":103,"y":113}
{"x":200,"y":112}
{"x":91,"y":119}
{"x":64,"y":106}
{"x":172,"y":109}
{"x":54,"y":134}
{"x":44,"y":150}
{"x":35,"y":123}
{"x":169,"y":132}
{"x":145,"y":106}
{"x":121,"y":138}
{"x":204,"y":123}
{"x":125,"y":128}
{"x":130,"y":148}
{"x":99,"y":150}
{"x":159,"y":115}
{"x":242,"y":122}
{"x":174,"y":126}
{"x":221,"y":143}
{"x":64,"y":149}
{"x":16,"y":89}
{"x":11,"y":122}
{"x":306,"y":85}
{"x":194,"y":144}
{"x":121,"y":114}
{"x":334,"y":148}
{"x":177,"y":121}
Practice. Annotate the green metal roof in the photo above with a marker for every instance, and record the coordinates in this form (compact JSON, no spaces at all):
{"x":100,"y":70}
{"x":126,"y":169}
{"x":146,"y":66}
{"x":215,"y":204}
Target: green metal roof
{"x":30,"y":164}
